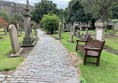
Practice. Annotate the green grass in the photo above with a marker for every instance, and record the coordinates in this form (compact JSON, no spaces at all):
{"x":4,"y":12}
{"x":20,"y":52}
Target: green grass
{"x":7,"y":63}
{"x":112,"y":42}
{"x":107,"y":72}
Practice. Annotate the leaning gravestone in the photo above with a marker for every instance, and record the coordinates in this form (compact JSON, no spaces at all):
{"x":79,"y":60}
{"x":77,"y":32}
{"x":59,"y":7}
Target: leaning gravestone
{"x":14,"y":40}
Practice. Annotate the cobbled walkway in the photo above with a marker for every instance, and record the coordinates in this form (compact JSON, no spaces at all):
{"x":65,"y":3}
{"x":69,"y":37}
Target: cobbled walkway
{"x":49,"y":62}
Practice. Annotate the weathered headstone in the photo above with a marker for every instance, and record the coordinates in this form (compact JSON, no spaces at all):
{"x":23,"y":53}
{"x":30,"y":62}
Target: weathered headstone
{"x":100,"y":31}
{"x":14,"y":40}
{"x":5,"y":30}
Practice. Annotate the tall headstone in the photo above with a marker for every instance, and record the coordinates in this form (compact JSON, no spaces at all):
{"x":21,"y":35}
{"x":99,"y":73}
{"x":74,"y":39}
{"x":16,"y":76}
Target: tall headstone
{"x":14,"y":40}
{"x":28,"y":39}
{"x":100,"y":31}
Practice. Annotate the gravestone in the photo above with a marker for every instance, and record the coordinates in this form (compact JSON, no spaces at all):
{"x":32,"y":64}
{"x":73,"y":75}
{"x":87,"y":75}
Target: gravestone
{"x":100,"y":31}
{"x":71,"y":34}
{"x":18,"y":30}
{"x":116,"y":26}
{"x":78,"y":33}
{"x":5,"y":30}
{"x":14,"y":40}
{"x":28,"y":40}
{"x":59,"y":31}
{"x":80,"y":26}
{"x":86,"y":30}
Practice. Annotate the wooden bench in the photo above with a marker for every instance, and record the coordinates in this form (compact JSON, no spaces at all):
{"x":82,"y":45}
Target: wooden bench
{"x":92,"y":48}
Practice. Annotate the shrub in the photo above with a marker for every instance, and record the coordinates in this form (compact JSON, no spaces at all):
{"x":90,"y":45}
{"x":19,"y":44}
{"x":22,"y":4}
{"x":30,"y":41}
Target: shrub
{"x":50,"y":22}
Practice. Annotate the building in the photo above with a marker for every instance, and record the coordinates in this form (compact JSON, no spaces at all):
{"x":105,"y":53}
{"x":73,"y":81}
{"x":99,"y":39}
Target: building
{"x":11,"y":7}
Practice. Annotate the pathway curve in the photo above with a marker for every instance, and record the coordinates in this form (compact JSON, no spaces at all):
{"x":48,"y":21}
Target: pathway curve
{"x":49,"y":62}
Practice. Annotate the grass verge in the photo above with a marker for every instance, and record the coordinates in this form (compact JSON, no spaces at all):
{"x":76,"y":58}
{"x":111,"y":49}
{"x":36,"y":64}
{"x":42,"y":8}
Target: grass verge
{"x":105,"y":73}
{"x":7,"y":63}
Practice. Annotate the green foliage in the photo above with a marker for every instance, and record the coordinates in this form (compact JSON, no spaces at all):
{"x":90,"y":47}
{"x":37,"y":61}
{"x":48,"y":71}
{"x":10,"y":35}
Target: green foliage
{"x":5,"y":16}
{"x":17,"y":18}
{"x":75,"y":12}
{"x":99,"y":8}
{"x":50,"y":22}
{"x":82,"y":79}
{"x":43,"y":7}
{"x":115,"y":13}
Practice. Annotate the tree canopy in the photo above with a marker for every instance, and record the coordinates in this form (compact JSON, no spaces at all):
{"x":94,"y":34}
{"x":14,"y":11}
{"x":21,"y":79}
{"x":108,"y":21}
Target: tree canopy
{"x":75,"y":12}
{"x":5,"y":16}
{"x":99,"y":8}
{"x":44,"y":7}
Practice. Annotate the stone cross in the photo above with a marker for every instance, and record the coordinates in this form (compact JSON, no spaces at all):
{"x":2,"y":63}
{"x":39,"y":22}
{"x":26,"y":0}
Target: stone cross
{"x":14,"y":39}
{"x":28,"y":40}
{"x":27,"y":6}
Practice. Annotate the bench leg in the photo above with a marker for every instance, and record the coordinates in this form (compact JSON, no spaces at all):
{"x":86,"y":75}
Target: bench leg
{"x":85,"y":57}
{"x":98,"y":60}
{"x":76,"y":48}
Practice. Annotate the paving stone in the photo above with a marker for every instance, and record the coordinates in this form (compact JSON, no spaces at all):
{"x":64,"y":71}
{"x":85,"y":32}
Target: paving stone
{"x":49,"y":62}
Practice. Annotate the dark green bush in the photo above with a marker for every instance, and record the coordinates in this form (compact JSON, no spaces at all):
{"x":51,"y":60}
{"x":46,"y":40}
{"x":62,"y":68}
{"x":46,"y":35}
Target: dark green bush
{"x":50,"y":23}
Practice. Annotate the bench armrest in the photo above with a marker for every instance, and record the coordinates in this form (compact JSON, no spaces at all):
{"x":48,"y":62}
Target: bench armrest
{"x":81,"y":41}
{"x":92,"y":49}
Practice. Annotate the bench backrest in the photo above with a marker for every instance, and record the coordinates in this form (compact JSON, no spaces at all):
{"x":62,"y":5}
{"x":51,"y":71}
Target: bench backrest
{"x":91,"y":42}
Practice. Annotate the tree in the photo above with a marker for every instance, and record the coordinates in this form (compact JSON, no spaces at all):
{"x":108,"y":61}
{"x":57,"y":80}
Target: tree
{"x":99,"y":8}
{"x":115,"y":13}
{"x":75,"y":12}
{"x":44,"y":7}
{"x":17,"y":18}
{"x":5,"y":16}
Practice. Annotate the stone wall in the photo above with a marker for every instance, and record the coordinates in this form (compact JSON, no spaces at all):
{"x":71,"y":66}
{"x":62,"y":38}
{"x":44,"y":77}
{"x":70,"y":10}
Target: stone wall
{"x":11,"y":7}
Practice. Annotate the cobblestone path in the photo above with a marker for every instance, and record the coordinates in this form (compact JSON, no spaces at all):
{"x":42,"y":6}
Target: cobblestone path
{"x":49,"y":62}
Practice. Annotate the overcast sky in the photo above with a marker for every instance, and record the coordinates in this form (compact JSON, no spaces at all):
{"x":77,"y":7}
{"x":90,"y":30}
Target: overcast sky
{"x":60,"y":3}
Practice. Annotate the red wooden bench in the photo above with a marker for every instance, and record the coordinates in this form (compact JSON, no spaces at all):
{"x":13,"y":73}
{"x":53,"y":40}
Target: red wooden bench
{"x":92,"y":48}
